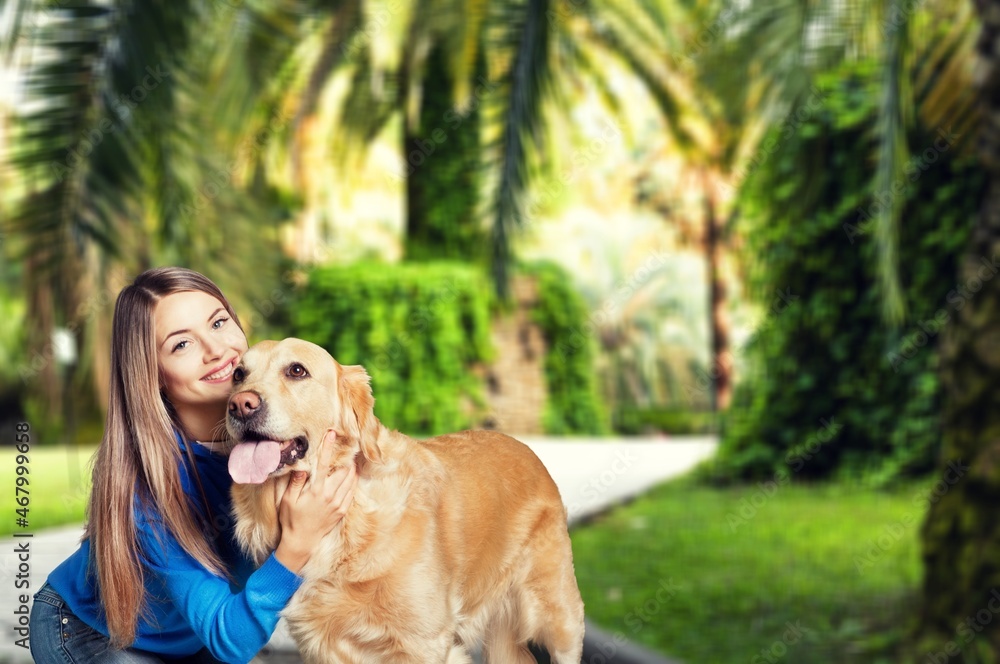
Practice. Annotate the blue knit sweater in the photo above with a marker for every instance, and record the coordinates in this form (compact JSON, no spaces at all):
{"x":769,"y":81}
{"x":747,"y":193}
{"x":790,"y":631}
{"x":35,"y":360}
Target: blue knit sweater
{"x":191,"y":608}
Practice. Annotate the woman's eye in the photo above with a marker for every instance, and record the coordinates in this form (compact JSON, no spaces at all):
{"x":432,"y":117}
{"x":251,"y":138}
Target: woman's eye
{"x":179,"y":344}
{"x":238,"y":375}
{"x":218,"y":323}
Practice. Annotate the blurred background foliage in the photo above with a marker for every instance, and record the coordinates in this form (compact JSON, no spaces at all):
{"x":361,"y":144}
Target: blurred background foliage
{"x":599,"y":217}
{"x":823,"y":353}
{"x":280,"y":135}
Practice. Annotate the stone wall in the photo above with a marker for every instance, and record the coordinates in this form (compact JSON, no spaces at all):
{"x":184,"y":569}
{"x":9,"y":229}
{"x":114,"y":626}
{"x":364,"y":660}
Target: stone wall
{"x":515,"y":381}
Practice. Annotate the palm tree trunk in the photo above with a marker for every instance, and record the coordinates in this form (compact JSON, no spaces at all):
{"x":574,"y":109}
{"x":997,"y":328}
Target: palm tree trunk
{"x":39,"y":372}
{"x":721,"y":392}
{"x":961,"y":534}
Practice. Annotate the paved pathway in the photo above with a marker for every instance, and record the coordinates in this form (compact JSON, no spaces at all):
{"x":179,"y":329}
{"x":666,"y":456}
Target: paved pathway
{"x":592,"y":475}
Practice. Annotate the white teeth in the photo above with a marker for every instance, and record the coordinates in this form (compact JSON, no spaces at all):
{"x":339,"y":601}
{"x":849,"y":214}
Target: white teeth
{"x":221,"y":374}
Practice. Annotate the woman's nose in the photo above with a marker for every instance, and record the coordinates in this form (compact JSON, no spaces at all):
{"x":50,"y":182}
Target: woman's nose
{"x":213,"y":349}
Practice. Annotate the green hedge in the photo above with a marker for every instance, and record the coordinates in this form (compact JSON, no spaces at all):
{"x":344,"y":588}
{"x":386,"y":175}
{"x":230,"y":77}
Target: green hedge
{"x":421,"y":330}
{"x":573,"y":405}
{"x":417,"y":328}
{"x":832,"y":389}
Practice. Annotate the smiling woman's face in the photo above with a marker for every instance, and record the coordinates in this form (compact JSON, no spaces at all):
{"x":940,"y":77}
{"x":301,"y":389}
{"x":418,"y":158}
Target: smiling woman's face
{"x":197,"y":345}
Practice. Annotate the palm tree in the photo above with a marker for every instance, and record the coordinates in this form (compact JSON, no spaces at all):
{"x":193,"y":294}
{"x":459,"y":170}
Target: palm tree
{"x":110,"y":152}
{"x":78,"y":172}
{"x":959,"y":533}
{"x":452,"y":51}
{"x":666,"y":59}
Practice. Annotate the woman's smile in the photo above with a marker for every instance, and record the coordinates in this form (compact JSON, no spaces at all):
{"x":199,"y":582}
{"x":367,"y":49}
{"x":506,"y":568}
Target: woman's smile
{"x":222,"y":374}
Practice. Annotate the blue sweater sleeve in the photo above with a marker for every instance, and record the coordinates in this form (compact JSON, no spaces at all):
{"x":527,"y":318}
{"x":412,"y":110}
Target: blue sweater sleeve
{"x":234,"y":626}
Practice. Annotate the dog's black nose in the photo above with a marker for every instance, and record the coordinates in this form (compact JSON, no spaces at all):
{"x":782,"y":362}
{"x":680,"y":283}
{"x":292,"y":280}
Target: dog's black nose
{"x":244,"y":404}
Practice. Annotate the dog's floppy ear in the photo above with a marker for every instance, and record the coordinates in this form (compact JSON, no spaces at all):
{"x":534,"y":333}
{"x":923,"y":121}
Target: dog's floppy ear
{"x":357,"y":413}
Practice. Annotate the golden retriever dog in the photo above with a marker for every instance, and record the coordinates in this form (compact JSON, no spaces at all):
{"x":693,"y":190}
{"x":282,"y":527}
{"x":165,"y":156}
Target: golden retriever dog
{"x":450,"y":542}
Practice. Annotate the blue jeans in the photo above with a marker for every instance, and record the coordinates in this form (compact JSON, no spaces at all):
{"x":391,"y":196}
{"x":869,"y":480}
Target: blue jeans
{"x":59,"y":637}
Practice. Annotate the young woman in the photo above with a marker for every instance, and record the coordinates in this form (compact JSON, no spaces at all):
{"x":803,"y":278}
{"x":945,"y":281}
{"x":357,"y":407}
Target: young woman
{"x":158,"y":576}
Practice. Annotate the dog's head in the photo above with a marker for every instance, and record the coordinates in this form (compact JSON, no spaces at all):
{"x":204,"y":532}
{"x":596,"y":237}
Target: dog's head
{"x":286,"y":395}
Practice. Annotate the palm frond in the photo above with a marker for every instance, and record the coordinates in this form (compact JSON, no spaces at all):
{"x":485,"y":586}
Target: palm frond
{"x":337,"y":44}
{"x":893,"y":107}
{"x":765,"y":55}
{"x":12,"y":15}
{"x":528,"y":81}
{"x":100,"y":77}
{"x":586,"y":63}
{"x":651,"y":64}
{"x":944,"y":64}
{"x":364,"y":113}
{"x":467,"y":44}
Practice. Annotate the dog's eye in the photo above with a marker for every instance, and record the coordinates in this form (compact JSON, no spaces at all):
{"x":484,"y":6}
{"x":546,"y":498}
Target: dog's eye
{"x":238,"y":375}
{"x":297,"y":371}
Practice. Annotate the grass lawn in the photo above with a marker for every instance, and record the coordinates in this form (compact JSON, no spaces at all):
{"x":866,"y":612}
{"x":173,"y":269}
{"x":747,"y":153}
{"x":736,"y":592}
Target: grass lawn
{"x":59,"y":485}
{"x":817,"y":574}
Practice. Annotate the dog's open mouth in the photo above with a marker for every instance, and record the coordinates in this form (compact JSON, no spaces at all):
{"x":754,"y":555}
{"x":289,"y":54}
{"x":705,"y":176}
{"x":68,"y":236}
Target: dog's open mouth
{"x":251,"y":462}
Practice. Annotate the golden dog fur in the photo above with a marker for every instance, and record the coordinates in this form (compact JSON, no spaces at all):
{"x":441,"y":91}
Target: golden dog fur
{"x":450,"y":542}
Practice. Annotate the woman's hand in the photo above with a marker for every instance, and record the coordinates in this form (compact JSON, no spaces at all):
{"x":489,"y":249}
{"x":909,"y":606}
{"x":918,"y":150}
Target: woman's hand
{"x":310,"y":509}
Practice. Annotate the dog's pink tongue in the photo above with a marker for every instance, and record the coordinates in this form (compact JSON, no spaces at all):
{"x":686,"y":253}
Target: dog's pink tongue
{"x":251,"y":463}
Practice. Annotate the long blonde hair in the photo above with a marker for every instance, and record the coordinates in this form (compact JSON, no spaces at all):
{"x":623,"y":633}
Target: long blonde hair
{"x":136,"y":466}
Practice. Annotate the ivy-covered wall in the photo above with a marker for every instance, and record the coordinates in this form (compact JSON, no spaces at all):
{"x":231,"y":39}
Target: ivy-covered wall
{"x":833,"y":390}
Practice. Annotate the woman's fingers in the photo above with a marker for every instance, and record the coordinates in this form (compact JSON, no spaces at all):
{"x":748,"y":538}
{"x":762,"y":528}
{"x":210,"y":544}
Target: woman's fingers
{"x":341,"y":484}
{"x":295,"y":487}
{"x":326,"y":449}
{"x":342,"y":507}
